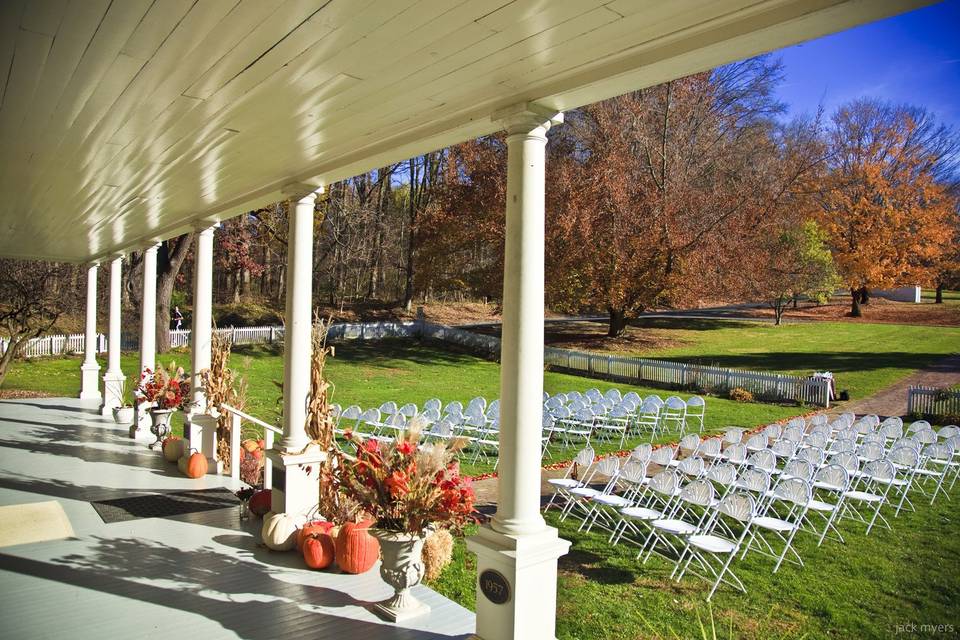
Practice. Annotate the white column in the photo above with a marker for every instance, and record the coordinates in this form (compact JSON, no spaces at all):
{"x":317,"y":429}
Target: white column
{"x":148,"y":311}
{"x":297,"y":324}
{"x":90,"y":370}
{"x":200,"y":426}
{"x":113,"y":381}
{"x":202,"y":329}
{"x":148,"y":321}
{"x":295,"y":462}
{"x":517,"y":547}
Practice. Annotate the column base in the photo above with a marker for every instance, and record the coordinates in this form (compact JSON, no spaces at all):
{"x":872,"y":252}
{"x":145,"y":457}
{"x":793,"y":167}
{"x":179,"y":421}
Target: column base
{"x":113,"y":382}
{"x":201,"y":432}
{"x":296,"y":479}
{"x":517,"y":598}
{"x":90,"y":382}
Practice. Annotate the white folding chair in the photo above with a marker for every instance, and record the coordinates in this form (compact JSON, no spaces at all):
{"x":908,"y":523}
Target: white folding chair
{"x":696,"y":412}
{"x":716,"y":545}
{"x":579,"y":466}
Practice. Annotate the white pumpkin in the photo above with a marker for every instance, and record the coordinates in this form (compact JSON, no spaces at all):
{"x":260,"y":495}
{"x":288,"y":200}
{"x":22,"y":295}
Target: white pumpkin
{"x":279,"y":531}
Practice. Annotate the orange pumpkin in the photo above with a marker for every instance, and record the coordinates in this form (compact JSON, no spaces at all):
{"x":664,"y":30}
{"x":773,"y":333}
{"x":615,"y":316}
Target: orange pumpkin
{"x":316,"y":527}
{"x":318,"y":551}
{"x":356,"y":549}
{"x":261,"y":502}
{"x":195,"y":466}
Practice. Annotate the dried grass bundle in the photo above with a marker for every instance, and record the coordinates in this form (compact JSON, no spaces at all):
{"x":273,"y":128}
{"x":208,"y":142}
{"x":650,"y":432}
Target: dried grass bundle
{"x":437,"y":553}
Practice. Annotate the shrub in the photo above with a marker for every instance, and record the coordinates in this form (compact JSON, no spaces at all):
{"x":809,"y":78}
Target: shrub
{"x":740,"y":395}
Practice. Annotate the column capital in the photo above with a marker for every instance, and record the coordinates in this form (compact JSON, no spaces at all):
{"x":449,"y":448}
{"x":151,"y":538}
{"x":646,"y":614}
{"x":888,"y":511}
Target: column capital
{"x":299,"y":191}
{"x":151,"y":247}
{"x":525,"y":117}
{"x":205,"y":226}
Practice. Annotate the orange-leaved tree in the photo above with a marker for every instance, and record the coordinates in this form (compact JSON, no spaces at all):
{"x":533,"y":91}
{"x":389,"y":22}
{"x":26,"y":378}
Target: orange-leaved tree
{"x":885,"y":207}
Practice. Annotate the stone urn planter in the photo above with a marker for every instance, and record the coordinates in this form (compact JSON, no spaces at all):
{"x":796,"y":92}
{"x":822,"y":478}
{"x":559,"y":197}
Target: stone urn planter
{"x":160,"y":427}
{"x":123,"y":415}
{"x":401,"y":568}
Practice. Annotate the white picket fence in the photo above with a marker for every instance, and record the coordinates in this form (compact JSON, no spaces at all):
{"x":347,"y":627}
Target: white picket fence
{"x":812,"y":391}
{"x":55,"y":345}
{"x":931,"y":401}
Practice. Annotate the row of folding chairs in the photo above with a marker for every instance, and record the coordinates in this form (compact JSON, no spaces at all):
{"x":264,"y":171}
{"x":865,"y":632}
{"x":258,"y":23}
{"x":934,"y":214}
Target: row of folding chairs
{"x":708,"y":508}
{"x":576,"y":416}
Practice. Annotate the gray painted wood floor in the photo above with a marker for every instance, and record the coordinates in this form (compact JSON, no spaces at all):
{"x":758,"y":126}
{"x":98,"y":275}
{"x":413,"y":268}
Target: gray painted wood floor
{"x":195,"y":575}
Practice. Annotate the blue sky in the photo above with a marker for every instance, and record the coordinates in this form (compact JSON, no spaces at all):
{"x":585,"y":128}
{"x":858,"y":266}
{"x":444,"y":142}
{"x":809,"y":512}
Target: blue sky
{"x":913,"y":58}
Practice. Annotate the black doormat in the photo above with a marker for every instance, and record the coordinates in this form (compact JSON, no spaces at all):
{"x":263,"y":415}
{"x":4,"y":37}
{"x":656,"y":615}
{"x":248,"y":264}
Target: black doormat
{"x":165,"y":505}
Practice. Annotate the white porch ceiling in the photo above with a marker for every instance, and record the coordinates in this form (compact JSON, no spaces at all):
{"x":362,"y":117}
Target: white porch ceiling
{"x":126,"y":122}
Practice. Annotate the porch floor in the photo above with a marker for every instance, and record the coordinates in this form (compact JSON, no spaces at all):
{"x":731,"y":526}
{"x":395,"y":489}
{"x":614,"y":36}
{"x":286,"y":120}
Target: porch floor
{"x":189,"y":576}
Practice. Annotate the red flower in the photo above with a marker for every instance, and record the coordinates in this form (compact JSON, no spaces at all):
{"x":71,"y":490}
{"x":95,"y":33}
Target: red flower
{"x":397,"y":484}
{"x":406,"y":448}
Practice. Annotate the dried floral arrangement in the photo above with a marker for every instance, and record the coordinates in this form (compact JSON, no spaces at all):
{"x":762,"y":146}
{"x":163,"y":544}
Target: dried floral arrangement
{"x":166,"y":388}
{"x":406,"y":486}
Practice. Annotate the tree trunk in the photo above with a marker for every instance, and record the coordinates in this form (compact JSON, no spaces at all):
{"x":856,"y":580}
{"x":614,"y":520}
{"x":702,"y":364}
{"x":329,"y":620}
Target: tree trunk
{"x":855,"y":309}
{"x":864,"y":296}
{"x":9,"y":355}
{"x":939,"y":298}
{"x":412,"y":224}
{"x":618,"y":322}
{"x":778,"y":308}
{"x":170,"y":258}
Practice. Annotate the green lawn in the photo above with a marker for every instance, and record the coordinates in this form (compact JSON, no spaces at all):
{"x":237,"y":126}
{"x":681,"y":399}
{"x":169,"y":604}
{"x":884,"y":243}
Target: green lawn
{"x":371,"y":373}
{"x":948,"y":295}
{"x":861,"y":589}
{"x":863,"y":357}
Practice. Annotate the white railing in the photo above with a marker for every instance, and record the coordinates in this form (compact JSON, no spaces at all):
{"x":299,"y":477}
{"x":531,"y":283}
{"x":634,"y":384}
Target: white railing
{"x":236,"y":423}
{"x":814,"y":391}
{"x":931,"y":401}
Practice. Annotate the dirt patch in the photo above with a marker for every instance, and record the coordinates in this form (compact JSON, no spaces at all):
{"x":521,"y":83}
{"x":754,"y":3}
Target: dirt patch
{"x":878,"y":310}
{"x":592,"y":336}
{"x":17,"y":394}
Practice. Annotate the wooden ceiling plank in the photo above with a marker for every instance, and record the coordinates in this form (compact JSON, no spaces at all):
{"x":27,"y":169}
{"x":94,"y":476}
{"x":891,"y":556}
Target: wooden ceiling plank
{"x":43,"y":16}
{"x":10,"y":13}
{"x":29,"y":57}
{"x":162,"y":78}
{"x":635,"y":31}
{"x":186,"y":35}
{"x":114,"y":30}
{"x":79,"y":24}
{"x":156,"y":26}
{"x":251,"y":40}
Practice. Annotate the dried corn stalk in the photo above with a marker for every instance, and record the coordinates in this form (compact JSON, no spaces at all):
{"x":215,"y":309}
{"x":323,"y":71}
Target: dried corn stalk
{"x":332,"y":505}
{"x":222,"y":386}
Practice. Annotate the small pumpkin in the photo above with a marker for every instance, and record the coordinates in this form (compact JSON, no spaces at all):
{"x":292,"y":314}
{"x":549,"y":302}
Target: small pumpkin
{"x":261,"y":502}
{"x":252,"y":448}
{"x":318,"y":551}
{"x":357,"y":551}
{"x":193,"y":465}
{"x":279,"y":531}
{"x":172,"y":448}
{"x":315,"y":527}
